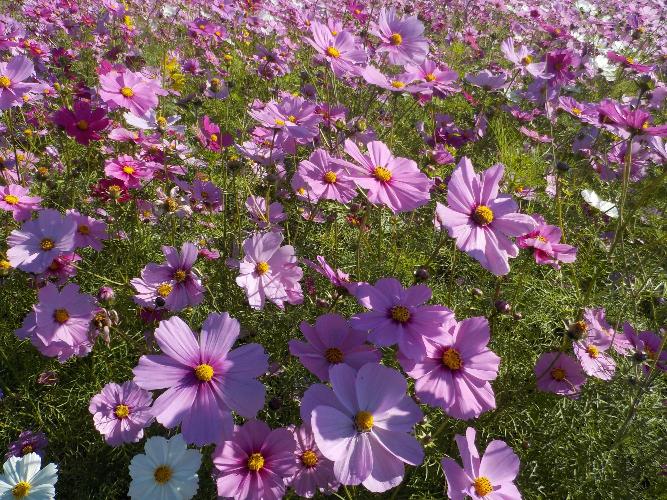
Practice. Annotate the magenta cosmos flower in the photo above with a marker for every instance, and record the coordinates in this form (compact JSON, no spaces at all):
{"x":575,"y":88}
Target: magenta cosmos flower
{"x":392,"y":181}
{"x":331,"y":341}
{"x":340,"y":50}
{"x":131,"y":91}
{"x":121,"y":412}
{"x":314,"y":472}
{"x":324,"y":179}
{"x":480,"y":219}
{"x":398,"y":315}
{"x":455,"y":372}
{"x":16,"y":199}
{"x":33,"y":247}
{"x":82,"y":122}
{"x":12,"y":81}
{"x":269,"y":271}
{"x":205,"y":380}
{"x":130,"y":171}
{"x":559,"y":373}
{"x":401,"y":38}
{"x":490,"y":478}
{"x":363,"y":425}
{"x":544,"y":241}
{"x":172,"y":285}
{"x":255,"y":463}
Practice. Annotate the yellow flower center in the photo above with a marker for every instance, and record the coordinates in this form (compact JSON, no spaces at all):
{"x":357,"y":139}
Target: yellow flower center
{"x":430,"y":77}
{"x":558,"y":374}
{"x":202,"y":26}
{"x":333,"y":52}
{"x":593,"y":351}
{"x":542,"y":239}
{"x":128,"y":169}
{"x":645,"y":125}
{"x":122,"y":411}
{"x":204,"y":372}
{"x":5,"y":82}
{"x":127,"y":92}
{"x":114,"y":191}
{"x":580,"y":326}
{"x":381,"y":174}
{"x":11,"y":199}
{"x":482,"y":486}
{"x":21,"y":489}
{"x":82,"y":125}
{"x":164,"y":290}
{"x":161,"y":122}
{"x":180,"y":275}
{"x":171,"y":204}
{"x":397,"y":84}
{"x":330,"y":177}
{"x":61,"y":315}
{"x":83,"y":229}
{"x":255,"y":462}
{"x":47,"y":244}
{"x":576,"y":111}
{"x":483,"y":215}
{"x":279,"y":122}
{"x":363,"y":421}
{"x":27,"y":449}
{"x":451,"y":358}
{"x":629,"y":60}
{"x":396,"y":39}
{"x":400,"y":314}
{"x":292,"y":118}
{"x":527,"y":60}
{"x":162,"y":474}
{"x":214,"y":138}
{"x":334,"y":355}
{"x":5,"y":265}
{"x":309,"y":458}
{"x":262,"y":268}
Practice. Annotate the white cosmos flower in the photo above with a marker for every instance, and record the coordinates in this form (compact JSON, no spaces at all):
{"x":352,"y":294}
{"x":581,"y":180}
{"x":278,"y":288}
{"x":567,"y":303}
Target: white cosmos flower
{"x":24,"y":478}
{"x":168,"y":470}
{"x":606,"y":207}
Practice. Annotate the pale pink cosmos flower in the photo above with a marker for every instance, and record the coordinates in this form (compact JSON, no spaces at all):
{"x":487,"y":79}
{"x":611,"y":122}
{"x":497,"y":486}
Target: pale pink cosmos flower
{"x":559,"y":373}
{"x":130,"y":90}
{"x":523,"y":59}
{"x":16,"y":199}
{"x":341,"y":50}
{"x":12,"y":81}
{"x":595,"y":320}
{"x":594,"y":360}
{"x":402,"y":39}
{"x":90,"y":232}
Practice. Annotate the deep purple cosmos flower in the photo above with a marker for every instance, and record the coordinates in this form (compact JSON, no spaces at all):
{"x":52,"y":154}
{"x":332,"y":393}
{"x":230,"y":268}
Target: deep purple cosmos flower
{"x":314,"y":472}
{"x":82,"y":122}
{"x":625,"y":120}
{"x":480,"y":219}
{"x":560,"y":66}
{"x":456,"y":370}
{"x":16,"y":199}
{"x":269,"y":271}
{"x":391,"y":181}
{"x":330,"y":342}
{"x":341,"y":50}
{"x":491,"y":477}
{"x":398,"y":315}
{"x":129,"y":90}
{"x":205,"y":379}
{"x":363,"y":423}
{"x":33,"y":247}
{"x":13,"y":76}
{"x":172,"y":285}
{"x":324,"y":179}
{"x":121,"y":412}
{"x":402,"y":39}
{"x":255,"y":462}
{"x":559,"y":373}
{"x":545,"y":242}
{"x":28,"y":442}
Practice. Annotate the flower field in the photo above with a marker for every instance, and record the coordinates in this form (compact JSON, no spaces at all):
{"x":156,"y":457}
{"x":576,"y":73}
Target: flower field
{"x":365,"y":249}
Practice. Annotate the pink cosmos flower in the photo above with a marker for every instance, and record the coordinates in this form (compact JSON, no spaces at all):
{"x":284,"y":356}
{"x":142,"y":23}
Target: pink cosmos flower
{"x":398,"y":315}
{"x":391,"y":181}
{"x":314,"y":472}
{"x":487,"y":80}
{"x":324,"y":179}
{"x":129,"y":90}
{"x":522,"y":59}
{"x":648,"y":348}
{"x":255,"y":462}
{"x":394,"y":83}
{"x":559,"y":373}
{"x":491,"y":477}
{"x":544,"y":241}
{"x":269,"y":271}
{"x":401,"y":38}
{"x":432,"y":78}
{"x":480,"y":219}
{"x":340,"y":50}
{"x":12,"y":81}
{"x":62,"y":268}
{"x":209,"y":134}
{"x":15,"y":199}
{"x":293,"y":121}
{"x":336,"y":277}
{"x":172,"y":285}
{"x":33,"y":247}
{"x":330,"y":342}
{"x":130,"y":171}
{"x":596,"y":321}
{"x":83,"y":122}
{"x":90,"y":232}
{"x":455,"y":372}
{"x":256,"y":206}
{"x":625,"y":120}
{"x":629,"y":62}
{"x":205,"y":379}
{"x":121,"y":412}
{"x":362,"y":424}
{"x":590,"y":351}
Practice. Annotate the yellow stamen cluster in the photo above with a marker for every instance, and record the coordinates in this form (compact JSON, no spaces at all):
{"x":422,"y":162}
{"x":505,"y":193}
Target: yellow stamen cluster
{"x":129,"y":170}
{"x":396,"y":39}
{"x":292,"y":118}
{"x":397,"y":84}
{"x":204,"y":372}
{"x":27,"y":449}
{"x":309,"y":458}
{"x":558,"y":374}
{"x":47,"y":244}
{"x":526,"y":60}
{"x":5,"y":82}
{"x":451,"y":358}
{"x":121,"y":411}
{"x":61,"y":315}
{"x":255,"y":462}
{"x":162,"y":474}
{"x":214,"y":137}
{"x":262,"y":268}
{"x":21,"y":489}
{"x":483,"y":215}
{"x":127,"y":92}
{"x":83,"y":229}
{"x":164,"y":290}
{"x":400,"y":314}
{"x":482,"y":486}
{"x":576,"y":111}
{"x":82,"y":125}
{"x":430,"y":77}
{"x":171,"y":204}
{"x":382,"y":174}
{"x":593,"y":351}
{"x":364,"y":421}
{"x":334,"y":355}
{"x":279,"y":122}
{"x":11,"y":199}
{"x":330,"y":177}
{"x":180,"y":275}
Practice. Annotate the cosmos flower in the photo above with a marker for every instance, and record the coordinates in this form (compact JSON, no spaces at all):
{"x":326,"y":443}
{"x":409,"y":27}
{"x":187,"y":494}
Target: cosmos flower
{"x":314,"y":472}
{"x":331,"y":341}
{"x":336,"y":277}
{"x":391,"y":181}
{"x":33,"y":247}
{"x":340,"y":49}
{"x":258,"y":213}
{"x":481,"y":220}
{"x":130,"y":171}
{"x":13,"y":76}
{"x":625,"y":120}
{"x":205,"y":379}
{"x":121,"y":412}
{"x":402,"y":39}
{"x":393,"y":83}
{"x":522,"y":59}
{"x":255,"y":462}
{"x":25,"y":478}
{"x":82,"y":122}
{"x":130,"y":90}
{"x":595,"y":320}
{"x":16,"y":199}
{"x":491,"y":477}
{"x":487,"y":80}
{"x":648,"y":347}
{"x":362,"y":424}
{"x":28,"y":442}
{"x":594,"y":360}
{"x":398,"y":315}
{"x":432,"y":78}
{"x":167,"y":470}
{"x":559,"y":373}
{"x":90,"y":232}
{"x":325,"y":180}
{"x":269,"y":271}
{"x":544,"y":241}
{"x":456,"y":370}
